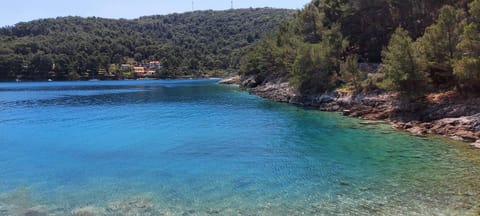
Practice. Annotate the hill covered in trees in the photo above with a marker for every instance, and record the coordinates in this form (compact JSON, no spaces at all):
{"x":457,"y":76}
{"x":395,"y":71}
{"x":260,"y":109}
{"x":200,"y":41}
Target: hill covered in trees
{"x":422,"y":45}
{"x":186,"y":44}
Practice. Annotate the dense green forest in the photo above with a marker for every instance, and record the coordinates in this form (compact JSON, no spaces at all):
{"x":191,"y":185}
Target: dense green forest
{"x":71,"y":48}
{"x":423,"y":45}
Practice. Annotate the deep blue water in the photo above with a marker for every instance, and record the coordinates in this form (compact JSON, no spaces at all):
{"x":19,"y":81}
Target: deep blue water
{"x":198,"y":148}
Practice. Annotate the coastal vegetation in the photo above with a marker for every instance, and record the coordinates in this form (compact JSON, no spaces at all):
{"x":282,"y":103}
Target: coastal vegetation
{"x":420,"y":46}
{"x":188,"y":44}
{"x":413,"y":63}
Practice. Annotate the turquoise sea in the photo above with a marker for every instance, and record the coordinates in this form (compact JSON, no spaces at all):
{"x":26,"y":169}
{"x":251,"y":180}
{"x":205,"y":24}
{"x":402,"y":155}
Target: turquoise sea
{"x":198,"y":148}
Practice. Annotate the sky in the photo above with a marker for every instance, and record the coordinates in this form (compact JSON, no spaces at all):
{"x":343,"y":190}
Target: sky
{"x":14,"y":11}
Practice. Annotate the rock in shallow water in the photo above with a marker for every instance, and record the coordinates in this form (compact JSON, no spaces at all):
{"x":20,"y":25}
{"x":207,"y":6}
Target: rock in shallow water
{"x":139,"y":205}
{"x":476,"y":144}
{"x":88,"y":211}
{"x":36,"y":211}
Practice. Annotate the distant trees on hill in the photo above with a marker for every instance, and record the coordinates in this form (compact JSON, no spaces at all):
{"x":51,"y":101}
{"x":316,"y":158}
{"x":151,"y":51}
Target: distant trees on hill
{"x":185,"y":44}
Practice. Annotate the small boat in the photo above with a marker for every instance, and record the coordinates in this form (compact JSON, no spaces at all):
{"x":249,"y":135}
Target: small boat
{"x":50,"y":80}
{"x":18,"y":80}
{"x":93,"y":80}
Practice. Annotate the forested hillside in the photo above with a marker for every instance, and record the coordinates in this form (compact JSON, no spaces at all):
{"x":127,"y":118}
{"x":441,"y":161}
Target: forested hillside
{"x":424,"y":45}
{"x":185,"y":44}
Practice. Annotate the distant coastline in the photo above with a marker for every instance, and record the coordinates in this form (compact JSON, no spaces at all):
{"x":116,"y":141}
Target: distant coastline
{"x":135,"y":79}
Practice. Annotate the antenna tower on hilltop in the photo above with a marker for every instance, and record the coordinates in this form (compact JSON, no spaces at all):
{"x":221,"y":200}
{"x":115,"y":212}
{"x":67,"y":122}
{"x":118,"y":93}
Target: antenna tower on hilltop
{"x":231,"y":3}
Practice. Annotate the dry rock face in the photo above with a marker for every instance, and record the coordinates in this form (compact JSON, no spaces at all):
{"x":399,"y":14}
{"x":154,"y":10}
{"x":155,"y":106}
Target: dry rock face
{"x":447,"y":114}
{"x":476,"y":144}
{"x":231,"y":81}
{"x":279,"y":92}
{"x":466,"y":127}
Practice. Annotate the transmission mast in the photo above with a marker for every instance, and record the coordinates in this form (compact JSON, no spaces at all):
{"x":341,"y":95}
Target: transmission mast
{"x":193,"y":5}
{"x":231,"y":3}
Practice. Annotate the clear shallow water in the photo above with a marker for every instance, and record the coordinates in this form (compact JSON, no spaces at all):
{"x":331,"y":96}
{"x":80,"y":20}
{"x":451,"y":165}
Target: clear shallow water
{"x":198,"y":148}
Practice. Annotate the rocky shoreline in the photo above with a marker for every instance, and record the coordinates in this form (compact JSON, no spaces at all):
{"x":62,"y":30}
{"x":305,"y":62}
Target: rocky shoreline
{"x":446,"y":114}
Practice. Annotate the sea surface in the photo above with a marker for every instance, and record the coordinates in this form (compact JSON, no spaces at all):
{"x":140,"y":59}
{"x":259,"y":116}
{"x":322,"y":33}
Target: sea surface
{"x":194,"y":147}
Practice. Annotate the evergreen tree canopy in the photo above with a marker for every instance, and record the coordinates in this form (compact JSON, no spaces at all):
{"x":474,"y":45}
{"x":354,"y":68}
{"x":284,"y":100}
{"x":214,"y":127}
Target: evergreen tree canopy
{"x":430,"y":45}
{"x":467,"y":67}
{"x":402,"y":68}
{"x":439,"y":45}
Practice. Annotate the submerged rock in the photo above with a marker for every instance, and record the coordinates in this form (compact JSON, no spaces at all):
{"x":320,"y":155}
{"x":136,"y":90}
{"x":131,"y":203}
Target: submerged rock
{"x":139,"y":205}
{"x":20,"y":202}
{"x":88,"y":211}
{"x":36,"y":211}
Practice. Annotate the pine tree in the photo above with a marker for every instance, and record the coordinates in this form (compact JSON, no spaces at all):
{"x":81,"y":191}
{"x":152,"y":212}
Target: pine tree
{"x":439,"y":45}
{"x":350,"y":71}
{"x":309,"y":23}
{"x":467,"y":68}
{"x":403,"y":72}
{"x":317,"y":64}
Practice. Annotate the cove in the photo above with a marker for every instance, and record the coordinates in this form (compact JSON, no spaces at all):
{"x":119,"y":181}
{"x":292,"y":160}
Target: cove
{"x":194,"y":147}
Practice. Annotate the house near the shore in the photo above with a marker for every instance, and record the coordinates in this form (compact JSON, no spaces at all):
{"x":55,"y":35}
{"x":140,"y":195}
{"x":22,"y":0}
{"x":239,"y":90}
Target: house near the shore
{"x":154,"y":65}
{"x":140,"y":71}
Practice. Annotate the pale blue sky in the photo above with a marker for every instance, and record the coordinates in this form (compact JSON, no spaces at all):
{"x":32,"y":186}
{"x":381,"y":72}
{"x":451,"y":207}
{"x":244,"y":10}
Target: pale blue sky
{"x":14,"y":11}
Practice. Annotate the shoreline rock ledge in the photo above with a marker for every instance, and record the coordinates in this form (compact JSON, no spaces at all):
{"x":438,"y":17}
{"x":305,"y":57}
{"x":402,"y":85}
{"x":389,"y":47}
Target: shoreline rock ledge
{"x":447,"y":114}
{"x":476,"y":144}
{"x":231,"y":81}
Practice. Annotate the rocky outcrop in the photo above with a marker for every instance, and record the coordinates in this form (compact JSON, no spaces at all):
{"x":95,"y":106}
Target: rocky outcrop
{"x":463,"y":128}
{"x":250,"y":82}
{"x":231,"y":81}
{"x":372,"y":106}
{"x":279,"y":92}
{"x":476,"y":144}
{"x":466,"y":127}
{"x":445,"y":114}
{"x":420,"y":117}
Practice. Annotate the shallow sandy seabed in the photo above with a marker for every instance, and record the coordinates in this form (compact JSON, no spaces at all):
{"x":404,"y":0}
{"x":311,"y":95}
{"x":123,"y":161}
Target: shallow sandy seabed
{"x":21,"y":202}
